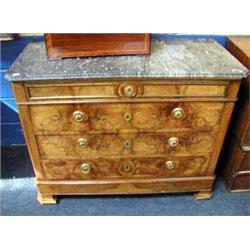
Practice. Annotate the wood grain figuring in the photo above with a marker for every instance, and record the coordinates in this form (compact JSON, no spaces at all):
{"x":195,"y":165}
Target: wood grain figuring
{"x":109,"y":91}
{"x":78,"y":45}
{"x":69,"y":92}
{"x":62,"y":147}
{"x":135,"y":186}
{"x":116,"y":168}
{"x":183,"y":90}
{"x":112,"y":137}
{"x":110,"y":117}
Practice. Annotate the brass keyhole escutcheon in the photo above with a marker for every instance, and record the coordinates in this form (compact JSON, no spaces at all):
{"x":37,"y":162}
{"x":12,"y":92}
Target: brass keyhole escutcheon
{"x":127,"y":168}
{"x":129,"y":91}
{"x":128,"y":144}
{"x":127,"y":117}
{"x":79,"y":116}
{"x":83,"y":143}
{"x":173,"y":141}
{"x":170,"y":164}
{"x":85,"y":167}
{"x":178,"y":113}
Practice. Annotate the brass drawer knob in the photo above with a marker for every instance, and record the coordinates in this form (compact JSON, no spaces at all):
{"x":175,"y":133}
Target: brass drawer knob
{"x":127,"y":168}
{"x":127,"y":117}
{"x":178,"y":113}
{"x":173,"y":141}
{"x":79,"y":116}
{"x":83,"y":143}
{"x":170,"y":164}
{"x":128,"y":144}
{"x":129,"y":90}
{"x":85,"y":167}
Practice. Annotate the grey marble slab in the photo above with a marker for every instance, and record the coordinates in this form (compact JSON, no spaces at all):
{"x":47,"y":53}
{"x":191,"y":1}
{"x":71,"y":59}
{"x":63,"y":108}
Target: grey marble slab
{"x":168,"y":58}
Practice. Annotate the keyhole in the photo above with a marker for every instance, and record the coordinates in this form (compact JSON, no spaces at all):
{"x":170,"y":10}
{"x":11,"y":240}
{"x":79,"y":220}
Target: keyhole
{"x":127,"y":144}
{"x":127,"y":168}
{"x":128,"y":117}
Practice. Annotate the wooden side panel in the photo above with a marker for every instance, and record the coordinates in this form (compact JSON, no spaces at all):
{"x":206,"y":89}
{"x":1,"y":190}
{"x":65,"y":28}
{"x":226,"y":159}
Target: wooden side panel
{"x":112,"y":117}
{"x":119,"y":145}
{"x":225,"y":118}
{"x":26,"y":123}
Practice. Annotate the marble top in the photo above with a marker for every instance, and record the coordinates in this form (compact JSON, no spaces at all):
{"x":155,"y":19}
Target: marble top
{"x":168,"y":58}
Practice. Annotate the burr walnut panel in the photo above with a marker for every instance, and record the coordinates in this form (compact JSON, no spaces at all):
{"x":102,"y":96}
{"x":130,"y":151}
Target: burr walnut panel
{"x":127,"y":116}
{"x":153,"y":90}
{"x":141,"y":144}
{"x":156,"y":89}
{"x":125,"y":168}
{"x":66,"y":92}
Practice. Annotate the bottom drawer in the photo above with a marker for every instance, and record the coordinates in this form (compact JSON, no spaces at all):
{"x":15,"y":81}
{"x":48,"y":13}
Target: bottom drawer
{"x":125,"y":168}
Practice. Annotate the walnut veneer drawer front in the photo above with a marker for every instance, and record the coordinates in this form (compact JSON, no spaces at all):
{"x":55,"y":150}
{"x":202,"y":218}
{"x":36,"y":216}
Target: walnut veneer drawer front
{"x":94,"y":146}
{"x":146,"y":116}
{"x":127,"y":89}
{"x":126,"y":168}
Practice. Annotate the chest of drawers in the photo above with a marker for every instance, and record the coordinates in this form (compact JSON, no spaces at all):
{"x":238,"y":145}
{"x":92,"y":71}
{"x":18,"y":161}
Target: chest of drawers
{"x":126,"y":125}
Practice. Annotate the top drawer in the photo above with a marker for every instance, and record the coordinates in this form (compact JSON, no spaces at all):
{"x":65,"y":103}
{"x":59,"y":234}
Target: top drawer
{"x":125,"y":89}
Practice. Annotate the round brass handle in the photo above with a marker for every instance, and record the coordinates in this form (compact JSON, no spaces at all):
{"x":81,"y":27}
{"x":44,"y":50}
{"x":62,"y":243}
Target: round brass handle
{"x":173,"y":141}
{"x":79,"y":116}
{"x":127,"y":117}
{"x":129,"y":91}
{"x":170,"y":164}
{"x":178,"y":113}
{"x":127,"y":168}
{"x":127,"y":144}
{"x":85,"y":167}
{"x":83,"y":142}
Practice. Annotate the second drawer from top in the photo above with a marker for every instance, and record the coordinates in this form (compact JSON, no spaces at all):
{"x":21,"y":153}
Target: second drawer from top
{"x":162,"y":117}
